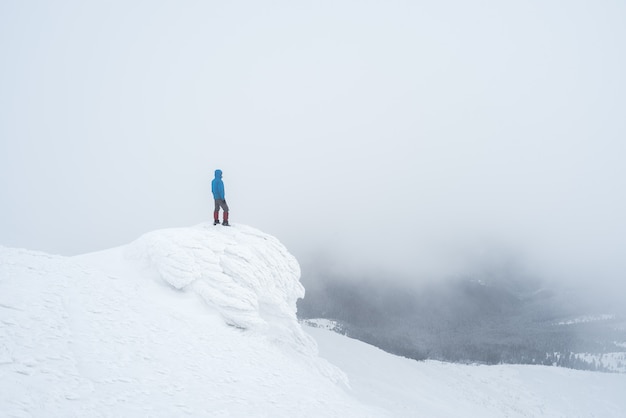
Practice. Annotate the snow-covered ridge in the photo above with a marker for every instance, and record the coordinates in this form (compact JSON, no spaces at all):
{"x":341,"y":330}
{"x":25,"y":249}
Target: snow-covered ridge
{"x":587,"y":319}
{"x":247,"y":276}
{"x":196,"y":321}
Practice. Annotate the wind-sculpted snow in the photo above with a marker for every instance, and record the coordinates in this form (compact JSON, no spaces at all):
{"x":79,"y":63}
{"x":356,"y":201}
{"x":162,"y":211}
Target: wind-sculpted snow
{"x":248,"y":276}
{"x":245,"y":275}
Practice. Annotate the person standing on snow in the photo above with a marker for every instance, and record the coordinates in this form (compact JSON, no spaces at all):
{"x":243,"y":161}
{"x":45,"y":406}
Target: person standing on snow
{"x":217,"y":186}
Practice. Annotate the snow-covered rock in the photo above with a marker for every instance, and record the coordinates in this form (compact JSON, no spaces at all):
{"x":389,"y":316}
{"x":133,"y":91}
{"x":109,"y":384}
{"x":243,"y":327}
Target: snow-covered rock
{"x":247,"y":276}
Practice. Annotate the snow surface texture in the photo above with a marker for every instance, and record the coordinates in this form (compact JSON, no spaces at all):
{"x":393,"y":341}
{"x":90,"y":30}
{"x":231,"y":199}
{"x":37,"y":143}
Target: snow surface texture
{"x":247,"y":276}
{"x":201,"y":322}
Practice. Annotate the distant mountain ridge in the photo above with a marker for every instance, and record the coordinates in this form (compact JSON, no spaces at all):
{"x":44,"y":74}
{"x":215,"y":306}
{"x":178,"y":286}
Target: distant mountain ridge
{"x":486,"y":320}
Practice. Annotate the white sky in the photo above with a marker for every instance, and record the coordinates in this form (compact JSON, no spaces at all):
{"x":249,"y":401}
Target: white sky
{"x":422,"y":137}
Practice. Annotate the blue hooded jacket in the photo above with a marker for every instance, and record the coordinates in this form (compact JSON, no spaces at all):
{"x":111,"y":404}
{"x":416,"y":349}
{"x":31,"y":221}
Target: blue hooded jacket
{"x":217,"y":186}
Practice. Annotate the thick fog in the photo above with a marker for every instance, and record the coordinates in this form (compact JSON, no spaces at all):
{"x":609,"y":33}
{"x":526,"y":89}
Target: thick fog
{"x":417,"y":139}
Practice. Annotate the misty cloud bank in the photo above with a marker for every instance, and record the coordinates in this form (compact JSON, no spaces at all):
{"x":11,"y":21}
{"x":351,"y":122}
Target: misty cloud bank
{"x":424,"y":141}
{"x":495,"y":319}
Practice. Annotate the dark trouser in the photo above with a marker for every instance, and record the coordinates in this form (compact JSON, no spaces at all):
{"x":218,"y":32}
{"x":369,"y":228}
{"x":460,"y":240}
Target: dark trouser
{"x":220,"y":203}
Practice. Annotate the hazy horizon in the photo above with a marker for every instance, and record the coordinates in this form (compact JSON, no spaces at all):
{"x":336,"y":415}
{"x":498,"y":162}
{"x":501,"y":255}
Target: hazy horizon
{"x":425,"y":140}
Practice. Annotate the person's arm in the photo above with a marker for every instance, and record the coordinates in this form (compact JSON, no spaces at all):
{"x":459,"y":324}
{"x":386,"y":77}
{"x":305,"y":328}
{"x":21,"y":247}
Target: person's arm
{"x":222,"y":192}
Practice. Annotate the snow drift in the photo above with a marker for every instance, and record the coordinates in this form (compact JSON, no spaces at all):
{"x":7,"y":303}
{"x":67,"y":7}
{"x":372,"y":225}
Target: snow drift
{"x":247,"y":276}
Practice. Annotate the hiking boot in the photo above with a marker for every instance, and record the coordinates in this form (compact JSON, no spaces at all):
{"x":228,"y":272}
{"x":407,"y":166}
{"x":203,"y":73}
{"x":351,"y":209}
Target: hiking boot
{"x":225,"y":223}
{"x":215,"y":222}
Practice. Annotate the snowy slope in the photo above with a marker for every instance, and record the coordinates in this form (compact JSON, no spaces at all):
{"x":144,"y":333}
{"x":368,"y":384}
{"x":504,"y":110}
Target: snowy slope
{"x":407,"y":388}
{"x":109,"y":334}
{"x":201,"y":321}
